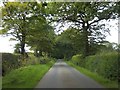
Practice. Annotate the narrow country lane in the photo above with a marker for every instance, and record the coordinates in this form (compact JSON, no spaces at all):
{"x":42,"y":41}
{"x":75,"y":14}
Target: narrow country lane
{"x":62,"y":75}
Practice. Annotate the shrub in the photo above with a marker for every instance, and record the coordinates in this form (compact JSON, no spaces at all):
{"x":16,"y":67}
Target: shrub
{"x":92,"y":63}
{"x":105,"y":64}
{"x":44,"y":60}
{"x":9,"y":62}
{"x":32,"y":60}
{"x":78,"y":60}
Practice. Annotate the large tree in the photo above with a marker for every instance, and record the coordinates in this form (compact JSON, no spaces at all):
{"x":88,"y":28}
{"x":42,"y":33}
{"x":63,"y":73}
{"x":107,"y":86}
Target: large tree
{"x":15,"y":21}
{"x":85,"y":16}
{"x":41,"y":36}
{"x":18,"y":20}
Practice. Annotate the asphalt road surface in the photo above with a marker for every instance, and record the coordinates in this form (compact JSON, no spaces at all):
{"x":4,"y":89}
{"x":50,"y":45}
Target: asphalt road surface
{"x":62,"y":75}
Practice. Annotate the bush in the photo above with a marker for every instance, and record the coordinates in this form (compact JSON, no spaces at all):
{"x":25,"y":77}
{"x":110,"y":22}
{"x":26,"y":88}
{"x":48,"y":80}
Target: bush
{"x":105,"y":64}
{"x":78,"y":60}
{"x":32,"y":60}
{"x":44,"y":60}
{"x":9,"y":62}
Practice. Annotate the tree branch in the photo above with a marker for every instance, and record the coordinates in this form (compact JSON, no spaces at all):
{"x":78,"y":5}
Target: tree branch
{"x":95,"y":21}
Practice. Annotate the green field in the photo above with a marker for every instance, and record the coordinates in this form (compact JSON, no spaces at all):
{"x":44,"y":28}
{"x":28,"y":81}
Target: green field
{"x":26,"y":77}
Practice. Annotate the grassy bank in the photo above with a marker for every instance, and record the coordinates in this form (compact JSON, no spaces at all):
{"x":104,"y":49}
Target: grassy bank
{"x":26,"y":77}
{"x":105,"y":82}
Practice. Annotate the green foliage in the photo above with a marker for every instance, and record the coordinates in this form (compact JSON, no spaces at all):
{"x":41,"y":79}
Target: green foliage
{"x":17,"y":48}
{"x":105,"y":64}
{"x":67,"y":43}
{"x":78,"y":60}
{"x":85,"y":17}
{"x":26,"y":77}
{"x":3,"y":31}
{"x":41,"y":36}
{"x":16,"y":21}
{"x":32,"y":60}
{"x":100,"y":79}
{"x":44,"y":60}
{"x":108,"y":47}
{"x":62,"y":49}
{"x":9,"y":62}
{"x":27,"y":23}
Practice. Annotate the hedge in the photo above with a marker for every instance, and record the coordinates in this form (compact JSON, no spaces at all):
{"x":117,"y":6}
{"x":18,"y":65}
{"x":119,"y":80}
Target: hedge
{"x":9,"y":62}
{"x":78,"y":60}
{"x":105,"y":64}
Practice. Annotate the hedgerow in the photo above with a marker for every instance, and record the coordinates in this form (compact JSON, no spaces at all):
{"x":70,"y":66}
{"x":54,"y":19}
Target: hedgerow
{"x":105,"y":64}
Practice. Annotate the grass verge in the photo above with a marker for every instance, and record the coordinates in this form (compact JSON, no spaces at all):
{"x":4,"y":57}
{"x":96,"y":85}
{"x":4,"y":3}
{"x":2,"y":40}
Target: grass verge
{"x":26,"y":77}
{"x":101,"y":80}
{"x":0,"y":82}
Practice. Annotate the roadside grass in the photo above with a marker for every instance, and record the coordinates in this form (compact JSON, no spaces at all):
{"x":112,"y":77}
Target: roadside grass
{"x":101,"y":80}
{"x":0,"y":82}
{"x":26,"y":77}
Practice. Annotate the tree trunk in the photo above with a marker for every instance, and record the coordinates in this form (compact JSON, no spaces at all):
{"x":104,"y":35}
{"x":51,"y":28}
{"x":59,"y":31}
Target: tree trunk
{"x":23,"y":47}
{"x":86,"y":44}
{"x":85,"y":40}
{"x":23,"y":32}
